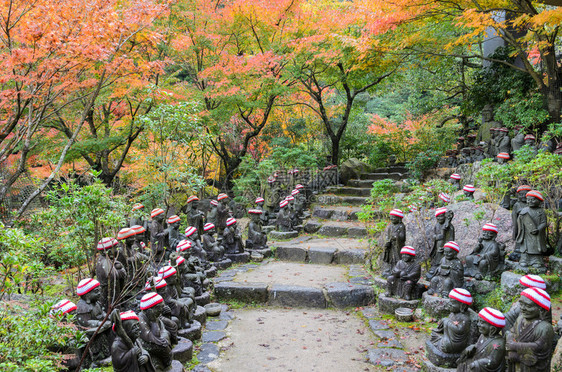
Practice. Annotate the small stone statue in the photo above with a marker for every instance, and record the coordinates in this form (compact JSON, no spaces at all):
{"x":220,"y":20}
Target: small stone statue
{"x":395,"y":240}
{"x":214,"y":250}
{"x":449,"y":274}
{"x":223,"y":212}
{"x":492,"y":148}
{"x":232,"y":237}
{"x":503,"y":141}
{"x":195,"y":217}
{"x":127,"y":353}
{"x":90,"y":317}
{"x":284,"y":222}
{"x":468,"y":191}
{"x":531,"y":233}
{"x":137,"y":216}
{"x":519,"y":139}
{"x":443,"y":231}
{"x":455,"y":180}
{"x":405,"y":275}
{"x":192,"y":236}
{"x":155,"y":338}
{"x":503,"y":157}
{"x":264,"y":216}
{"x":526,"y":281}
{"x":157,"y":234}
{"x":451,"y":336}
{"x":110,"y":272}
{"x":517,"y":207}
{"x":444,"y":198}
{"x":488,"y":354}
{"x":62,"y":308}
{"x":212,"y":214}
{"x":530,"y":141}
{"x":529,"y":343}
{"x":181,"y":308}
{"x":487,"y":260}
{"x":257,"y":239}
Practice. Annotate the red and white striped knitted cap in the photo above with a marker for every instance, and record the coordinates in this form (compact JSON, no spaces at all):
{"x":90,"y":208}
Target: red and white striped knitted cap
{"x":408,"y":250}
{"x":173,"y":219}
{"x":529,"y":136}
{"x":490,"y":227}
{"x":138,"y":229}
{"x":63,"y":307}
{"x":271,"y":179}
{"x":440,"y":211}
{"x":214,"y":202}
{"x":283,"y":203}
{"x":192,"y":198}
{"x":455,"y":176}
{"x":535,"y":194}
{"x":107,"y":243}
{"x":461,"y":295}
{"x":183,"y":245}
{"x":531,"y":281}
{"x":129,"y":315}
{"x":299,"y":186}
{"x":255,"y":211}
{"x":492,"y":316}
{"x":295,"y":192}
{"x":503,"y":155}
{"x":524,"y":188}
{"x":158,"y":283}
{"x":538,"y":296}
{"x":149,"y":300}
{"x":397,"y":213}
{"x":230,"y":221}
{"x":180,"y":260}
{"x":290,"y":198}
{"x":505,"y":130}
{"x":166,"y":272}
{"x":143,"y":246}
{"x":445,"y":197}
{"x":208,"y":226}
{"x":452,"y":245}
{"x":190,"y":230}
{"x":86,"y":285}
{"x":222,"y":196}
{"x":469,"y":188}
{"x":125,"y":233}
{"x":137,"y":206}
{"x":259,"y":199}
{"x":413,"y":208}
{"x":155,"y":212}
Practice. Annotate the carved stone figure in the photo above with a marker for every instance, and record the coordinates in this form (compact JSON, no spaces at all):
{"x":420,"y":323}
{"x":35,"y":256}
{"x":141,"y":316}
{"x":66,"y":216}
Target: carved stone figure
{"x":443,"y":231}
{"x":454,"y":180}
{"x":196,"y":249}
{"x":395,"y":240}
{"x":529,"y":343}
{"x":232,"y":237}
{"x":488,"y":354}
{"x":138,"y":217}
{"x":89,"y":317}
{"x":503,"y":157}
{"x":195,"y":217}
{"x":181,"y":308}
{"x":257,"y":239}
{"x":493,"y":148}
{"x":155,"y":338}
{"x":451,"y":336}
{"x":157,"y":235}
{"x":516,"y":209}
{"x":468,"y":191}
{"x":531,"y":234}
{"x":173,"y":235}
{"x":503,"y":141}
{"x":223,"y":212}
{"x":110,"y":272}
{"x":530,"y":141}
{"x":449,"y":274}
{"x":284,"y":222}
{"x":212,"y":214}
{"x":127,"y":353}
{"x":487,"y":260}
{"x":487,"y":123}
{"x":405,"y":275}
{"x":526,"y":281}
{"x":214,"y":250}
{"x":519,"y":139}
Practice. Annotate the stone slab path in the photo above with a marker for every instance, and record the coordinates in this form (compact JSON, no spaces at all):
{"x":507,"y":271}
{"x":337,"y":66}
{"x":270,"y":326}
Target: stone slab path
{"x":288,"y":273}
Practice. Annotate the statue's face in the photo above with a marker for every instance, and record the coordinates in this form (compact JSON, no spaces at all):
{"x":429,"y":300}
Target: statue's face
{"x":171,"y":279}
{"x":132,"y":328}
{"x":522,"y":196}
{"x":175,"y":225}
{"x":441,"y":218}
{"x":155,"y":311}
{"x":450,"y":253}
{"x":454,"y":306}
{"x":195,"y":204}
{"x":260,"y":204}
{"x":407,"y":257}
{"x":529,"y":142}
{"x":529,"y":309}
{"x":487,"y":115}
{"x":484,"y":327}
{"x":501,"y":161}
{"x":160,"y":217}
{"x":94,"y":294}
{"x":467,"y":194}
{"x":533,"y":202}
{"x":395,"y":219}
{"x":488,"y":235}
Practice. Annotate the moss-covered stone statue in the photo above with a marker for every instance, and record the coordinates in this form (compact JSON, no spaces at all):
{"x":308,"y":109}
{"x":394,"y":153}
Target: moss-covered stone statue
{"x":404,"y":277}
{"x":450,"y":272}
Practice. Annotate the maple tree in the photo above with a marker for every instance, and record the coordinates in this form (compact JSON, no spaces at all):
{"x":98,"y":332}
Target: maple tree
{"x":59,"y":58}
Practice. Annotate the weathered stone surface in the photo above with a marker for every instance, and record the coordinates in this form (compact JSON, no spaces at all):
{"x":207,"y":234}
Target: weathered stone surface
{"x":213,"y":309}
{"x":200,"y":315}
{"x":343,"y":295}
{"x":435,"y":306}
{"x":390,"y":304}
{"x":283,"y":235}
{"x":370,"y":312}
{"x":439,"y":358}
{"x":176,"y":366}
{"x":247,"y":292}
{"x":430,"y":367}
{"x":353,"y":168}
{"x":224,"y":264}
{"x":183,"y":351}
{"x":192,"y":333}
{"x":213,"y":336}
{"x":207,"y":353}
{"x":312,"y":226}
{"x":467,"y":228}
{"x":386,"y":357}
{"x":201,"y":368}
{"x":288,"y":253}
{"x":377,"y":325}
{"x":216,"y":325}
{"x":355,"y":191}
{"x":555,"y":265}
{"x":239,"y":257}
{"x":323,"y":256}
{"x":390,"y":343}
{"x":322,"y":213}
{"x":510,"y":284}
{"x":329,"y":230}
{"x":384,"y":334}
{"x":296,"y":296}
{"x":350,"y":256}
{"x":357,"y":232}
{"x":479,"y":286}
{"x":557,"y":356}
{"x":204,"y":299}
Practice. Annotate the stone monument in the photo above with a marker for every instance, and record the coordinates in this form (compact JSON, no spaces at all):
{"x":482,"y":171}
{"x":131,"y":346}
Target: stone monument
{"x":531,"y":233}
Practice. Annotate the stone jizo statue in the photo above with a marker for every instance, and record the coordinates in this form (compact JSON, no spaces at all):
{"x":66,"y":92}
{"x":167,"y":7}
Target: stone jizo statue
{"x":214,"y":250}
{"x":195,"y":217}
{"x":519,"y":139}
{"x":450,"y":272}
{"x":405,"y":275}
{"x":127,"y":353}
{"x":503,"y":141}
{"x":154,"y":337}
{"x":157,"y":234}
{"x":196,"y":248}
{"x":257,"y":239}
{"x":487,"y":260}
{"x":395,"y":240}
{"x":110,"y":272}
{"x":223,"y":212}
{"x":526,"y":281}
{"x":531,"y":233}
{"x":455,"y":180}
{"x":443,"y":231}
{"x":232,"y":237}
{"x":284,"y":222}
{"x":521,"y":203}
{"x":468,"y":191}
{"x":503,"y":157}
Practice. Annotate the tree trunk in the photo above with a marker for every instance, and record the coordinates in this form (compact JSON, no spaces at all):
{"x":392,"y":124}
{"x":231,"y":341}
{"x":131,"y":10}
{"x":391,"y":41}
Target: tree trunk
{"x":335,"y":149}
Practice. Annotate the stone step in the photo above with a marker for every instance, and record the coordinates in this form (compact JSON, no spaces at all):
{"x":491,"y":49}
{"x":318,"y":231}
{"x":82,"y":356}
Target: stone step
{"x":352,"y":191}
{"x":296,"y":285}
{"x":382,"y":176}
{"x":336,"y":213}
{"x":365,"y":184}
{"x":350,"y":229}
{"x":331,"y":199}
{"x":393,"y":169}
{"x":322,"y":251}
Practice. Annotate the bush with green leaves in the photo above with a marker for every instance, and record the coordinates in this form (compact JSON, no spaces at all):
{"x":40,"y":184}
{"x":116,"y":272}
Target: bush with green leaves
{"x":423,"y":162}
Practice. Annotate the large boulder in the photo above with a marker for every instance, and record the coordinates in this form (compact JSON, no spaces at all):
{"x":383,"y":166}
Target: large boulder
{"x":353,"y":169}
{"x":419,"y":226}
{"x":468,"y":172}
